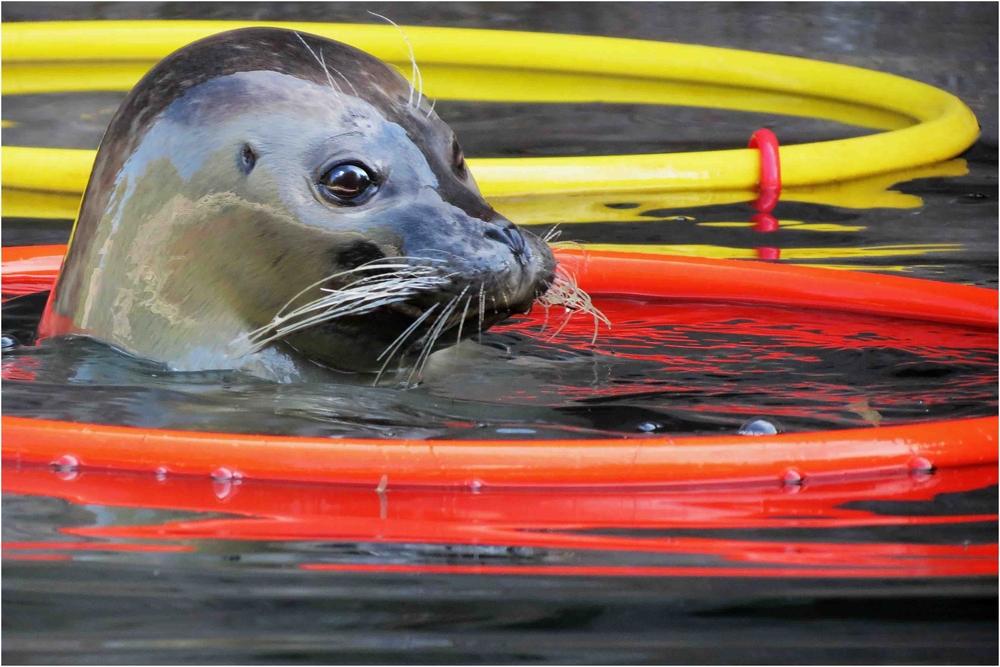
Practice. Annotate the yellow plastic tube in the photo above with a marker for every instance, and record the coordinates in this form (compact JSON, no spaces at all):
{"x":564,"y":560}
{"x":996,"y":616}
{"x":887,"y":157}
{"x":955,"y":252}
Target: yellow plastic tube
{"x":488,"y":65}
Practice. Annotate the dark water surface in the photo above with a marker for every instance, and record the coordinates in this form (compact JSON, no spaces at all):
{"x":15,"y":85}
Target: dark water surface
{"x":102,"y":567}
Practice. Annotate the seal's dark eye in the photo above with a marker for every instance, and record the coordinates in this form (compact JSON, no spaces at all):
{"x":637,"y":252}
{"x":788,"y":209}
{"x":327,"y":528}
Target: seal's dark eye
{"x":347,"y":183}
{"x":458,"y":159}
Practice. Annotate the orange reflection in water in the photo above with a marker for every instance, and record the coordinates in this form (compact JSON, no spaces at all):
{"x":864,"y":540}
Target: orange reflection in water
{"x":672,"y":521}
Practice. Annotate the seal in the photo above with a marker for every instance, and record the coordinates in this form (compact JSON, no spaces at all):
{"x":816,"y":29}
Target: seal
{"x":275,"y":201}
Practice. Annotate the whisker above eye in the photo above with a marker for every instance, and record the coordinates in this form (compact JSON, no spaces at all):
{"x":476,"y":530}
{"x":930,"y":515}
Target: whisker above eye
{"x":416,"y":78}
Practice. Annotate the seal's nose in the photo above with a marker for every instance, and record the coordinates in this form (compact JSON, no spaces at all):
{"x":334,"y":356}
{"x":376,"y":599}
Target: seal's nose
{"x":508,"y":234}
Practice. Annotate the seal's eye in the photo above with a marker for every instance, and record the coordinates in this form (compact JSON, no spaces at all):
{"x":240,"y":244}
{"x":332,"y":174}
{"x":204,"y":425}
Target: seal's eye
{"x":458,"y":159}
{"x":347,"y":183}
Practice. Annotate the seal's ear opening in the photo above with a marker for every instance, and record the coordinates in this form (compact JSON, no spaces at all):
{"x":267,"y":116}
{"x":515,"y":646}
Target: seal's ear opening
{"x":248,"y":158}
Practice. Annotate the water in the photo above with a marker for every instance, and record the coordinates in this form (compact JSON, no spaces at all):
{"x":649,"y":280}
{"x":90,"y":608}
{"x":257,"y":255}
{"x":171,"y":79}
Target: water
{"x":103,"y":567}
{"x":663,"y":367}
{"x":107,"y":567}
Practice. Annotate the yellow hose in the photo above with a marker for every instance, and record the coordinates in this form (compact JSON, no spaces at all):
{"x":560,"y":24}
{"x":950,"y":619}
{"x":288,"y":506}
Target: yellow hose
{"x":511,"y":66}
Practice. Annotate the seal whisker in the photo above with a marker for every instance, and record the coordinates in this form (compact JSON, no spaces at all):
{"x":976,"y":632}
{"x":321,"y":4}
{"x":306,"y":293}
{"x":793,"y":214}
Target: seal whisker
{"x":361,"y":297}
{"x":356,"y":299}
{"x":551,"y":235}
{"x":281,"y":310}
{"x":373,"y":264}
{"x":453,"y":256}
{"x":545,"y":322}
{"x":465,"y":312}
{"x":482,"y":309}
{"x":431,"y":338}
{"x":260,"y":338}
{"x":400,"y":339}
{"x":319,"y":59}
{"x":329,"y":79}
{"x":431,"y":110}
{"x":417,"y":80}
{"x":569,"y":244}
{"x":569,"y":316}
{"x":428,"y":345}
{"x":390,"y":284}
{"x":564,"y":291}
{"x":360,"y":288}
{"x":347,"y":81}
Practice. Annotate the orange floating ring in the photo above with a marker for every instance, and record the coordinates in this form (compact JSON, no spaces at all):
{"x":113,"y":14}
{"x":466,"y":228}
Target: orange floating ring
{"x":29,"y":269}
{"x":641,"y":461}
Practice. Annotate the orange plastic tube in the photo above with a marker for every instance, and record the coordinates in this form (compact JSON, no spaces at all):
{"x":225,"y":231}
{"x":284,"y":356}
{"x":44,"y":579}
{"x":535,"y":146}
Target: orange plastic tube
{"x":538,"y":463}
{"x":30,"y":269}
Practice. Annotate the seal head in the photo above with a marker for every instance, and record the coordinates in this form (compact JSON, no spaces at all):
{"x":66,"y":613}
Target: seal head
{"x":272,"y":200}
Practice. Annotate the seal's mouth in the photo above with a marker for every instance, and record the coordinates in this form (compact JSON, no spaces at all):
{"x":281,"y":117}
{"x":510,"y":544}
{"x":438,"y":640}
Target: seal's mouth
{"x":413,"y":313}
{"x":456,"y":315}
{"x":406,"y":309}
{"x":397,"y":336}
{"x":396,"y":311}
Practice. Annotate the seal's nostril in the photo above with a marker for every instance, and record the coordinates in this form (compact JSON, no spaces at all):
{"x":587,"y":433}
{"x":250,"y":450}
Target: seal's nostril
{"x":494,"y":234}
{"x":515,"y":240}
{"x":510,"y":236}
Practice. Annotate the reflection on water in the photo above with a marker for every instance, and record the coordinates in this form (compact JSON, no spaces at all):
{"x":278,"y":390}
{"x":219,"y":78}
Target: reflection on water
{"x":259,"y":572}
{"x":662,"y":367}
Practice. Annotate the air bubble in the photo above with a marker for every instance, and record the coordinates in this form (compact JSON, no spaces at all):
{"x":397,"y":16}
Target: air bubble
{"x":648,"y":427}
{"x":66,"y":467}
{"x":921,"y":466}
{"x":475,"y":486}
{"x":791,"y":477}
{"x":226,"y":475}
{"x":161,"y":474}
{"x":65,"y":463}
{"x":758,"y":426}
{"x":8,"y":342}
